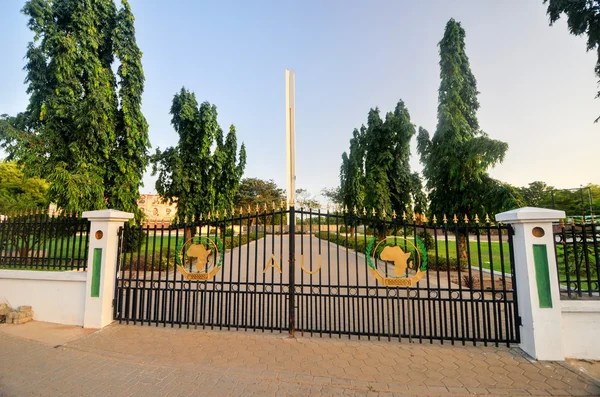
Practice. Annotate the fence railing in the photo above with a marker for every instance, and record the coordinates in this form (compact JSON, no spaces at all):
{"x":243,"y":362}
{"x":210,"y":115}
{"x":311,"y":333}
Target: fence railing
{"x":38,"y":241}
{"x":577,"y":248}
{"x":345,"y":274}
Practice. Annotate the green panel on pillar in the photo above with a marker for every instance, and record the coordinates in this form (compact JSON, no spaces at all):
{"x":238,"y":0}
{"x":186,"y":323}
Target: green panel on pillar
{"x":97,"y":265}
{"x":542,"y":275}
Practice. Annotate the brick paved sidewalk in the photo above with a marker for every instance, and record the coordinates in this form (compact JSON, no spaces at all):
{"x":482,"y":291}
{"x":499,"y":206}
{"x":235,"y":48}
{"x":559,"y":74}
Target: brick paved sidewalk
{"x":146,"y":361}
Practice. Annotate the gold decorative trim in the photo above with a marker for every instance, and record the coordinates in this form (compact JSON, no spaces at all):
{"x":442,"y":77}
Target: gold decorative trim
{"x":319,"y":264}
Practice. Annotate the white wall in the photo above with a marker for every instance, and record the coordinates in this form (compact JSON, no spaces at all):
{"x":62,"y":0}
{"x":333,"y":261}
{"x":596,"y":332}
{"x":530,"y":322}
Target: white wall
{"x":56,"y":297}
{"x":581,"y":329}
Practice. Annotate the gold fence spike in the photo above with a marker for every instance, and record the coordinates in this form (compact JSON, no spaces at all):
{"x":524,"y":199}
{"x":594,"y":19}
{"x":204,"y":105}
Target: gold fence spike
{"x":466,"y":219}
{"x":424,"y":218}
{"x":445,"y":219}
{"x":241,"y":210}
{"x":337,"y":208}
{"x":582,"y":220}
{"x":414,"y":216}
{"x":455,"y":219}
{"x":403,"y":215}
{"x":355,"y":210}
{"x":592,"y":219}
{"x":346,"y":209}
{"x":208,"y":216}
{"x":573,"y":221}
{"x":200,"y":216}
{"x":257,"y":208}
{"x":232,"y":211}
{"x":434,"y":220}
{"x":394,"y":215}
{"x":374,"y":212}
{"x":364,"y":211}
{"x":476,"y":218}
{"x":282,"y":205}
{"x":225,"y":213}
{"x":384,"y":214}
{"x":487,"y":218}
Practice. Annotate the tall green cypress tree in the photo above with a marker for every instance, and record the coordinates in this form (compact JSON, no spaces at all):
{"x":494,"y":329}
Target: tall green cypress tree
{"x":399,"y":176}
{"x":378,"y":161}
{"x":456,"y":159}
{"x":191,"y":174}
{"x":92,"y":152}
{"x":129,"y":157}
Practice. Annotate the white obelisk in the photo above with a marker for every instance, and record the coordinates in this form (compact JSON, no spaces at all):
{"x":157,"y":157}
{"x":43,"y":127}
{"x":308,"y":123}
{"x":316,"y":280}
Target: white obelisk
{"x":290,"y":127}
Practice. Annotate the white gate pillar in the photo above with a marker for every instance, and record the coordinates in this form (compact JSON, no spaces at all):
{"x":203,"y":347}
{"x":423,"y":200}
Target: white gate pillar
{"x":102,"y":265}
{"x":538,"y":295}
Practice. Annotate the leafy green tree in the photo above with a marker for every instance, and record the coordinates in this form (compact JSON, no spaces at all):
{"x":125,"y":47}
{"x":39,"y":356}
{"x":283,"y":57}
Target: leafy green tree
{"x":583,"y":18}
{"x":419,"y":196}
{"x":333,"y":195}
{"x":534,"y":195}
{"x":88,"y":141}
{"x":193,"y":175}
{"x":254,"y":193}
{"x":129,"y":156}
{"x":352,"y":172}
{"x":402,"y":188}
{"x":378,"y":162}
{"x":20,"y":194}
{"x":458,"y":155}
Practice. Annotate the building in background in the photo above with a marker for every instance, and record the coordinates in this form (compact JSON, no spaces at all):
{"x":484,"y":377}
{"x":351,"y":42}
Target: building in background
{"x":156,"y":210}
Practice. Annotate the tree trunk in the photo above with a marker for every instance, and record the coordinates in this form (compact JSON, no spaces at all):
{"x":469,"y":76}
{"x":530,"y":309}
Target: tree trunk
{"x":462,"y":248}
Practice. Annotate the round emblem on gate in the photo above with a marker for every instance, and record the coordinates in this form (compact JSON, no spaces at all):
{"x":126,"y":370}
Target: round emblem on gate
{"x":409,"y":267}
{"x":203,"y":253}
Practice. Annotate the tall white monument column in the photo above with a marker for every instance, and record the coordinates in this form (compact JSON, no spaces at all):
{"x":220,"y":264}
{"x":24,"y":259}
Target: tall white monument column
{"x":102,"y":265}
{"x":538,"y":295}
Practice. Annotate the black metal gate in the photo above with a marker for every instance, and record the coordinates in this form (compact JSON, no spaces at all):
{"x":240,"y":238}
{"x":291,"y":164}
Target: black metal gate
{"x":333,"y":273}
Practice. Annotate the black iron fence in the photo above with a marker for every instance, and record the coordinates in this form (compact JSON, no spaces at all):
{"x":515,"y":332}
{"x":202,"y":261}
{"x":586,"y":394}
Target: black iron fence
{"x":44,"y":242}
{"x":325,"y":273}
{"x":577,"y":248}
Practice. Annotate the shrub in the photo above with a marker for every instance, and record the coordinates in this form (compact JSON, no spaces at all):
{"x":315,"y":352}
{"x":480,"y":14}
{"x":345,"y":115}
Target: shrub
{"x":133,"y":239}
{"x":442,"y":263}
{"x":427,"y":239}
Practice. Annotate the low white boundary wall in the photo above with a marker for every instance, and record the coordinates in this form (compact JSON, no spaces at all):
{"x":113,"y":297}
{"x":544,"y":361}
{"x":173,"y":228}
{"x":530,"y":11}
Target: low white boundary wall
{"x":581,"y":329}
{"x":56,"y":297}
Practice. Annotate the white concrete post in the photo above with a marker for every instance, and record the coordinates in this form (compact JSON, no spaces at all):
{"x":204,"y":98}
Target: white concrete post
{"x":536,"y":275}
{"x":102,"y":265}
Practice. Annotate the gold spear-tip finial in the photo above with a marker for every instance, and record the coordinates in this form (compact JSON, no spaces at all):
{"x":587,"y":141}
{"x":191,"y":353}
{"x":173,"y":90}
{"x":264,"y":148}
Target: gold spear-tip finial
{"x":434,"y":220}
{"x":445,"y":219}
{"x":455,"y":219}
{"x":373,"y":212}
{"x":364,"y":211}
{"x":355,"y":210}
{"x":476,"y":218}
{"x":403,"y":215}
{"x":394,"y":215}
{"x":466,"y":219}
{"x":487,"y":218}
{"x":345,"y":209}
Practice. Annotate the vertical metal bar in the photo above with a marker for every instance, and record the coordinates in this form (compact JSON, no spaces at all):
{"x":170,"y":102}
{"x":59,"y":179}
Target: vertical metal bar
{"x":585,"y":256}
{"x":484,"y":312}
{"x":577,"y":263}
{"x":596,"y":254}
{"x":497,"y":328}
{"x":292,"y":270}
{"x":463,"y":326}
{"x":514,"y":284}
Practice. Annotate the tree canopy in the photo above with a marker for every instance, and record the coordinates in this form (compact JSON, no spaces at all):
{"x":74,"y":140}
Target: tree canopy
{"x":458,"y":155}
{"x":83,"y":129}
{"x":376,"y":172}
{"x":202,"y":173}
{"x":20,"y":194}
{"x":583,"y":18}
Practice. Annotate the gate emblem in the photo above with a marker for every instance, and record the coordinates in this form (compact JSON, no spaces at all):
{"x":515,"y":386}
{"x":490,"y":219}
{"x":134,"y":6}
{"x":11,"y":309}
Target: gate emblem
{"x":198,"y":251}
{"x":406,"y":275}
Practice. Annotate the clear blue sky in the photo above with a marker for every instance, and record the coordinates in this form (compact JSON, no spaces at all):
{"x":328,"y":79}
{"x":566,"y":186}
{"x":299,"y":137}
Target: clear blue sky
{"x":537,"y":82}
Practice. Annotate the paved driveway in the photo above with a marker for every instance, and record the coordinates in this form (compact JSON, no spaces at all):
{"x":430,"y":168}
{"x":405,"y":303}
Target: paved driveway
{"x":149,"y":361}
